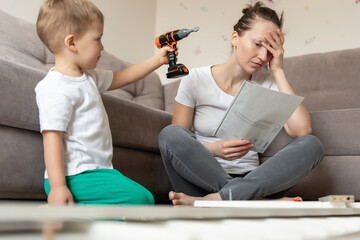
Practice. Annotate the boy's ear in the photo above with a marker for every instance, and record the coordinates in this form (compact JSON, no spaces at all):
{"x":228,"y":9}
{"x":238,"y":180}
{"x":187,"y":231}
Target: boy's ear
{"x":69,"y":42}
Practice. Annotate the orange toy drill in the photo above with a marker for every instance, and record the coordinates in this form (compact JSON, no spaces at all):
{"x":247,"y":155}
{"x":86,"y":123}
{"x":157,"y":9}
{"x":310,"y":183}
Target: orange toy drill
{"x":170,"y":39}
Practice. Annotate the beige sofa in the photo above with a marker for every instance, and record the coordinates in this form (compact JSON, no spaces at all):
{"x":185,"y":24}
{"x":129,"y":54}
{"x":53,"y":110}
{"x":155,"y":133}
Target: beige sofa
{"x":138,"y":112}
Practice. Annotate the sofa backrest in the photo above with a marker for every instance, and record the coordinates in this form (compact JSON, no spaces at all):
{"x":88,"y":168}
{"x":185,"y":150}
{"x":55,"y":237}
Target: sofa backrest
{"x":20,"y":44}
{"x":327,"y":80}
{"x":148,"y":91}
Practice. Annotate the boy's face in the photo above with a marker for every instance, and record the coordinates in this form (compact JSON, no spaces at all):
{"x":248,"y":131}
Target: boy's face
{"x":89,"y":46}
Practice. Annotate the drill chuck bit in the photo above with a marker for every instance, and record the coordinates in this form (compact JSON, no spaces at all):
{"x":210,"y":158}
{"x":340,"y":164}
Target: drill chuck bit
{"x":182,"y":33}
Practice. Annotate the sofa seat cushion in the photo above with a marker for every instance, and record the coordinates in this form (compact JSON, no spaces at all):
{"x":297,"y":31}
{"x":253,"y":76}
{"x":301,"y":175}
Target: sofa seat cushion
{"x":22,"y":164}
{"x":336,"y":175}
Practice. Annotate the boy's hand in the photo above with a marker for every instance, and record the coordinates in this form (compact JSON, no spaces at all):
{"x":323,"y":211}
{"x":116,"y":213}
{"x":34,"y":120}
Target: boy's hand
{"x":163,"y":54}
{"x":60,"y":196}
{"x":138,"y":71}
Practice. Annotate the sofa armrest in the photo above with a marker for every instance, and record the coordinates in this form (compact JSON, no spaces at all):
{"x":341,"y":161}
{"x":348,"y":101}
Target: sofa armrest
{"x":134,"y":125}
{"x":170,"y":91}
{"x":339,"y":131}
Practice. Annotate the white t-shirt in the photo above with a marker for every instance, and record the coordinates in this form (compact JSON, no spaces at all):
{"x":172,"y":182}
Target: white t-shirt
{"x":74,"y":106}
{"x":199,"y":90}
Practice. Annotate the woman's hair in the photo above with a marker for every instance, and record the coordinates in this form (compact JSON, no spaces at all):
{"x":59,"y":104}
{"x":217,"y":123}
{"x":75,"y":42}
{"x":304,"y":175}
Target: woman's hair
{"x":58,"y":18}
{"x":256,"y":12}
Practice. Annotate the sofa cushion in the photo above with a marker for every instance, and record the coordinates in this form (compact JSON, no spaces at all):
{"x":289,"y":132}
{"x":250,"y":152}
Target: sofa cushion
{"x":338,"y":130}
{"x":22,"y":164}
{"x":20,"y":44}
{"x":148,"y":91}
{"x":170,"y":92}
{"x":335,"y":175}
{"x":17,"y":96}
{"x":133,"y":125}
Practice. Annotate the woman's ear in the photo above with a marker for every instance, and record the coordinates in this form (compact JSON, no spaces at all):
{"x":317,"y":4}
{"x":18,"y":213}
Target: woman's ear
{"x":234,"y":38}
{"x":69,"y":42}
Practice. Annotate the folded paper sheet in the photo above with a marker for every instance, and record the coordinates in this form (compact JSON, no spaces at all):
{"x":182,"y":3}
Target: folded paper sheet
{"x":257,"y":114}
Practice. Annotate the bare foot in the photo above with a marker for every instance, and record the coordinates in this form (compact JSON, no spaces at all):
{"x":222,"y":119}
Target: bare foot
{"x":183,"y":199}
{"x":295,"y":199}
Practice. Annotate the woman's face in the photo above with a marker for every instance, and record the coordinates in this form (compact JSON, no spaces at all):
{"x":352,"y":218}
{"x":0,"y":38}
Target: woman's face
{"x":250,"y":54}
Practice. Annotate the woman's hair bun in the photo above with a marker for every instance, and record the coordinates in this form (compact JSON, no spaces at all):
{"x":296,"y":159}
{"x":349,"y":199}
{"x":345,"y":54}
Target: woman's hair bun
{"x":253,"y":8}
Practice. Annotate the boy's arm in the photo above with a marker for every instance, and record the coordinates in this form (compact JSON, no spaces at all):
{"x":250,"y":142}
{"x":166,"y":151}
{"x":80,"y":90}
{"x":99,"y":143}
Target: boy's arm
{"x":54,"y":162}
{"x":138,"y":71}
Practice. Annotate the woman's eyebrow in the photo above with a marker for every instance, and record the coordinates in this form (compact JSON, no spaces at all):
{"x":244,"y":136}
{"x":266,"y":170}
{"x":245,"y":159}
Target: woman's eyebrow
{"x":261,"y":39}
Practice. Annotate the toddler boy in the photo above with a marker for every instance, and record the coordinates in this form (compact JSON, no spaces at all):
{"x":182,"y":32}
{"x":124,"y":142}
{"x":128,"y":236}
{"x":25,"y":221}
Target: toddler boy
{"x":74,"y":124}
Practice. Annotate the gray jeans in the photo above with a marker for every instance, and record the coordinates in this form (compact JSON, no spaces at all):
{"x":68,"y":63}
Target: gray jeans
{"x":195,"y":172}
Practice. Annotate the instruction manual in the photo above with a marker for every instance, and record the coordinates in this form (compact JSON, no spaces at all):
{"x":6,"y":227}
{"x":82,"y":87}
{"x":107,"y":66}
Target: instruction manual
{"x":257,"y":114}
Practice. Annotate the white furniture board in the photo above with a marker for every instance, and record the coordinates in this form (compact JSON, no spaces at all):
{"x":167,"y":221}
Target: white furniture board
{"x":35,"y":212}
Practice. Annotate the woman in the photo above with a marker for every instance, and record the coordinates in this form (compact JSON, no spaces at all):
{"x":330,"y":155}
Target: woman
{"x":203,"y":167}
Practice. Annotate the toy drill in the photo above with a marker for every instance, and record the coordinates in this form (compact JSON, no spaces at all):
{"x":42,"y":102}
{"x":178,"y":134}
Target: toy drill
{"x":170,"y":39}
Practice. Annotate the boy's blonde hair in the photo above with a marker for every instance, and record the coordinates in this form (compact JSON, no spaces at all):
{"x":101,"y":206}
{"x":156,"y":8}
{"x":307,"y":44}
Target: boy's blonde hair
{"x":58,"y":18}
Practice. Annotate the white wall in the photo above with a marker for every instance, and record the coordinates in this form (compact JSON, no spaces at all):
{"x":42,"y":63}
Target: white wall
{"x":27,"y":10}
{"x":129,"y":24}
{"x":129,"y":28}
{"x":310,"y":26}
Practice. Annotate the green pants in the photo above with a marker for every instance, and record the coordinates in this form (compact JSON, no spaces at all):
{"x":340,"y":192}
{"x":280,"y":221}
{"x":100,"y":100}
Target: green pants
{"x":105,"y":186}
